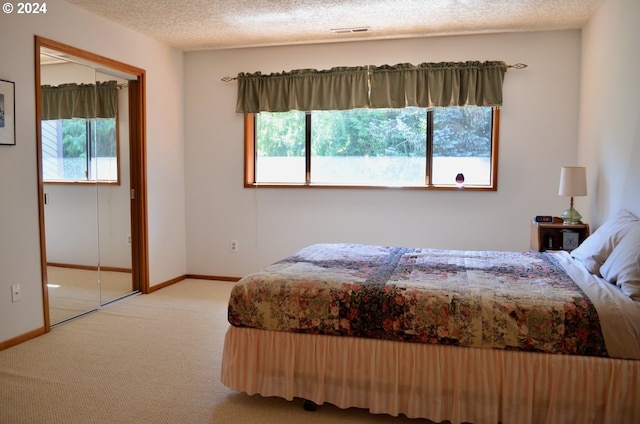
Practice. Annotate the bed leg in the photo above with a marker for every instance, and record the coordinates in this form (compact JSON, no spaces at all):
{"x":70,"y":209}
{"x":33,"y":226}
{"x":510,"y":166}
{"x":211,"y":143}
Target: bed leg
{"x":309,"y":406}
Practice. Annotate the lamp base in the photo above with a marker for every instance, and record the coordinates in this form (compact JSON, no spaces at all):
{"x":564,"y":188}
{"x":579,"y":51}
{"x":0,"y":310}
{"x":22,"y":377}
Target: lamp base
{"x":571,"y":216}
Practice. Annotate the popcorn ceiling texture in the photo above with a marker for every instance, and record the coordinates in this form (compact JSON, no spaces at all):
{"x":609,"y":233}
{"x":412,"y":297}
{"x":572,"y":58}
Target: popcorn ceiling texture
{"x":218,"y":24}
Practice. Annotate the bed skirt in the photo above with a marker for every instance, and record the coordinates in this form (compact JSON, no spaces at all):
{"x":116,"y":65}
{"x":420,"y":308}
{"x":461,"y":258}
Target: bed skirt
{"x":436,"y":382}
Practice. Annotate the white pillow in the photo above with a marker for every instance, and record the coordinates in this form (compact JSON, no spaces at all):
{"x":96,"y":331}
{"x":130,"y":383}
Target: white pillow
{"x":599,"y":245}
{"x":622,"y":267}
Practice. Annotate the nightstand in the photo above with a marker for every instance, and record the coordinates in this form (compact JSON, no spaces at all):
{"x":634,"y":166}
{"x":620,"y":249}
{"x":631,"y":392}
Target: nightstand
{"x":549,"y":236}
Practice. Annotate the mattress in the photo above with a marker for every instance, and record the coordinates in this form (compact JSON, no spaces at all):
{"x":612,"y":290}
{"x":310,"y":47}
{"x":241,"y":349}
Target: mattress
{"x":524,"y":301}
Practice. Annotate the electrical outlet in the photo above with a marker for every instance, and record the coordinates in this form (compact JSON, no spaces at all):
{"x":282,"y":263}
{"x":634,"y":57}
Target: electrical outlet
{"x":129,"y":239}
{"x":16,"y":293}
{"x":233,"y":246}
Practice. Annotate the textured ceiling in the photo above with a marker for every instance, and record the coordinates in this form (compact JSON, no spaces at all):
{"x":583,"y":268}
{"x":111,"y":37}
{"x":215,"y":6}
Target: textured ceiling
{"x":219,"y":24}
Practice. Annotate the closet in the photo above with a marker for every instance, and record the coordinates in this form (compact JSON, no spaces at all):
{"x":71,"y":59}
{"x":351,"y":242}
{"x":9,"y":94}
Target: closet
{"x":91,"y":180}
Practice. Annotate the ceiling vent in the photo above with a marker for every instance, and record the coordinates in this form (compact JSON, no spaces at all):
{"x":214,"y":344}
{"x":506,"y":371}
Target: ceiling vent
{"x":350,"y":30}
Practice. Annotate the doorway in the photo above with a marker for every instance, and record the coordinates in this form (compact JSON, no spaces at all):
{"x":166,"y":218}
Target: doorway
{"x":91,"y":180}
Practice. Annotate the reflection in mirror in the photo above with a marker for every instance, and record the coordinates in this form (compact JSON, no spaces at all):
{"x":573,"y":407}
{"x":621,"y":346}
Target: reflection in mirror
{"x":85,"y":164}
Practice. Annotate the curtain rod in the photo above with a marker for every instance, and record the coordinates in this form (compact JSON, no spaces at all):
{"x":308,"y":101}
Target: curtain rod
{"x":516,"y":66}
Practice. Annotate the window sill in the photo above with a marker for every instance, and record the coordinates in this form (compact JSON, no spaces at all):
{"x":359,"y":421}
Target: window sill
{"x":65,"y":182}
{"x":367,"y":187}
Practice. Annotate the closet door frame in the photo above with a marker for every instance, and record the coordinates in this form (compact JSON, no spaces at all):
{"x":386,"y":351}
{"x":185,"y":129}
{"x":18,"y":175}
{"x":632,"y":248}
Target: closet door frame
{"x":138,"y":172}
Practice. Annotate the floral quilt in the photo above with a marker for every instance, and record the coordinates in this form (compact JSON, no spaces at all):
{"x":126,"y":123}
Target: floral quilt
{"x":504,"y":300}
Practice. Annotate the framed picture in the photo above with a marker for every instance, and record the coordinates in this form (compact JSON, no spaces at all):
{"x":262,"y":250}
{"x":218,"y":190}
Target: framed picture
{"x":7,"y":113}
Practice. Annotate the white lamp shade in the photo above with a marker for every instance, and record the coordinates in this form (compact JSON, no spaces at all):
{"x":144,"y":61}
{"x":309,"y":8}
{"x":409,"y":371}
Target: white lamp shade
{"x":573,"y":181}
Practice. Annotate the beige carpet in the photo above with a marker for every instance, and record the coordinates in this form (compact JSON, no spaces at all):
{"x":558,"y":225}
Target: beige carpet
{"x":147,"y":359}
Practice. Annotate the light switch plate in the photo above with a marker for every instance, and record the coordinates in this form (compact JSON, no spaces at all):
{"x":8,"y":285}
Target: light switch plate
{"x":16,"y":293}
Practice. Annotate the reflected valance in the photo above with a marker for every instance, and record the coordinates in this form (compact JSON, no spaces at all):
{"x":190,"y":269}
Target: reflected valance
{"x":67,"y":101}
{"x":425,"y":85}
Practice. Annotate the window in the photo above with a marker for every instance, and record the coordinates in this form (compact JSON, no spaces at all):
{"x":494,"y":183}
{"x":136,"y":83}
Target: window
{"x":439,"y":148}
{"x":80,"y":150}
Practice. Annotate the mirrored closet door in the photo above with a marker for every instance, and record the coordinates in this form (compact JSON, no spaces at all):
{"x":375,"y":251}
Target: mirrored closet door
{"x":85,"y":171}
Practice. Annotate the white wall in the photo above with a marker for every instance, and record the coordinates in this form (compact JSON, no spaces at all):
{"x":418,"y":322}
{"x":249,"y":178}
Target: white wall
{"x":19,"y":238}
{"x":610,"y":117}
{"x":537,"y":137}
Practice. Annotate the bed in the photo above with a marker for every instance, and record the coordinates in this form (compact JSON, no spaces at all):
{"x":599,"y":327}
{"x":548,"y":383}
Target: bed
{"x":461,"y":336}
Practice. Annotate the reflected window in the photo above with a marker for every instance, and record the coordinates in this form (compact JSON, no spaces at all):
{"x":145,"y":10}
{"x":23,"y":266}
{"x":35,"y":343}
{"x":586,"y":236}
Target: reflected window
{"x":80,"y":150}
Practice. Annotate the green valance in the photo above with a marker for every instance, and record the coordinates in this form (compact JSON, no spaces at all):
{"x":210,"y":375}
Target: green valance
{"x":425,"y":85}
{"x":437,"y":84}
{"x":68,"y":101}
{"x":304,"y":89}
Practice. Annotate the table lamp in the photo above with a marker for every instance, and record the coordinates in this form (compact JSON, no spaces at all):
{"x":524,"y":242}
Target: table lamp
{"x":573,"y":182}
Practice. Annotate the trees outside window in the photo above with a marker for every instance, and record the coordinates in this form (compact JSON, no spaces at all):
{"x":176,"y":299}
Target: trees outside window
{"x":409,"y":147}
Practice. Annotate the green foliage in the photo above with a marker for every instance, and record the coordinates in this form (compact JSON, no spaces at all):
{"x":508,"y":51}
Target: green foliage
{"x":280,"y":134}
{"x":457,"y":132}
{"x":462,"y":132}
{"x":105,"y":136}
{"x":369,"y":132}
{"x":75,"y":142}
{"x":74,"y":138}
